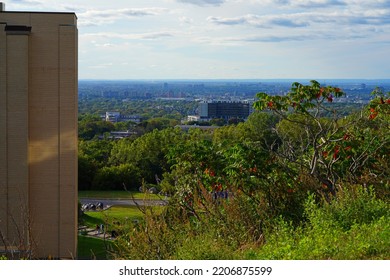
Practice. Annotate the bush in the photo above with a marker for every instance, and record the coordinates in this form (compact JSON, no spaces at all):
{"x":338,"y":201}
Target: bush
{"x":205,"y":247}
{"x":355,"y":225}
{"x":115,"y":177}
{"x":352,"y":205}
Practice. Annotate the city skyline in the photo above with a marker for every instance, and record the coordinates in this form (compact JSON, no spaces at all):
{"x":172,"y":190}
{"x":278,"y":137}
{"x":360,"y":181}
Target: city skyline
{"x":228,"y":39}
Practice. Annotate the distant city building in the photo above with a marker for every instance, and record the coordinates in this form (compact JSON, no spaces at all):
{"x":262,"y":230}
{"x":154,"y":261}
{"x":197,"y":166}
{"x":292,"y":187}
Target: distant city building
{"x":193,"y":118}
{"x":38,"y":134}
{"x":115,"y":117}
{"x":112,"y":117}
{"x":224,"y":110}
{"x":116,"y":135}
{"x":132,"y":118}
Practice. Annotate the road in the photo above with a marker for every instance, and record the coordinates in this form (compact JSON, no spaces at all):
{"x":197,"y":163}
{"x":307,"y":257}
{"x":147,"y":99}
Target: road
{"x":111,"y":202}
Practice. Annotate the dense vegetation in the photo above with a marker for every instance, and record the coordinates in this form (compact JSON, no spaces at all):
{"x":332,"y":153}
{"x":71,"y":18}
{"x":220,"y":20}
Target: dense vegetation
{"x":300,"y":179}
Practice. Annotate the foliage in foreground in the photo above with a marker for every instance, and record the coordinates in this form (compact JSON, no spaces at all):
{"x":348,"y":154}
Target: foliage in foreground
{"x":354,"y":225}
{"x":290,"y":183}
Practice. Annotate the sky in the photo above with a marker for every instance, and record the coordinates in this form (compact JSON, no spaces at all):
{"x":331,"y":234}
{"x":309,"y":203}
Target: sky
{"x":228,"y":39}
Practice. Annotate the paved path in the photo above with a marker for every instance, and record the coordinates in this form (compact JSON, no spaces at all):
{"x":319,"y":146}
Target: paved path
{"x":110,"y":202}
{"x":94,"y":233}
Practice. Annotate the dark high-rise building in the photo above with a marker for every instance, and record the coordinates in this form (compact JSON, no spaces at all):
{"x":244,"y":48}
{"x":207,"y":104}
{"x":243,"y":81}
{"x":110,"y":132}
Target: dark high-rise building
{"x":224,"y":109}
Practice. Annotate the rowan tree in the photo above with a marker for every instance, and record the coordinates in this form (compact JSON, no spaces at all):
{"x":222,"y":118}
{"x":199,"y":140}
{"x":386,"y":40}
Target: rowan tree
{"x":316,"y":140}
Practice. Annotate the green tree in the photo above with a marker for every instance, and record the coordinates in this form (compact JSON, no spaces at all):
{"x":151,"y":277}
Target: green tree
{"x":118,"y":177}
{"x":92,"y":156}
{"x":147,"y":152}
{"x":315,"y":140}
{"x":217,"y":122}
{"x":91,"y":126}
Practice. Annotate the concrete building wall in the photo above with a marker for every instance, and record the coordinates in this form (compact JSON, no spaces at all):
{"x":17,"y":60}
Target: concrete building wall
{"x":3,"y":132}
{"x":38,"y":132}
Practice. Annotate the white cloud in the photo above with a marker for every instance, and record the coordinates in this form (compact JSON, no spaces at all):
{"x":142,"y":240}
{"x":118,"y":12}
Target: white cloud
{"x":122,"y":38}
{"x":204,"y":2}
{"x":266,"y":21}
{"x":332,"y":20}
{"x":130,"y":36}
{"x":27,"y":2}
{"x":100,"y":66}
{"x":184,"y":19}
{"x":99,"y":17}
{"x":317,"y":3}
{"x":302,"y":3}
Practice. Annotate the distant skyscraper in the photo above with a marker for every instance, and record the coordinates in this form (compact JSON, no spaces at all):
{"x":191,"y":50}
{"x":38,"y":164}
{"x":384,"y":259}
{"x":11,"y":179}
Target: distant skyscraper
{"x":38,"y":133}
{"x":224,"y":109}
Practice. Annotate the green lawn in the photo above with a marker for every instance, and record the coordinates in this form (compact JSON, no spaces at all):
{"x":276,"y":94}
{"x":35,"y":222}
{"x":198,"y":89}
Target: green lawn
{"x":90,"y":248}
{"x":118,"y":212}
{"x":95,"y":248}
{"x":117,"y":216}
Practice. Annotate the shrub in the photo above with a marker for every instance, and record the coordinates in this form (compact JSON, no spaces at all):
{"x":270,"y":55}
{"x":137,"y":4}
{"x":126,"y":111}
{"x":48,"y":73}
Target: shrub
{"x":352,"y":205}
{"x":354,"y":225}
{"x":205,"y":247}
{"x":115,"y":177}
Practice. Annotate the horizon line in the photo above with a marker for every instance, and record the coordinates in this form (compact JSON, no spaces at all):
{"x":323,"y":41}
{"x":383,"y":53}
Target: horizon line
{"x":235,"y":79}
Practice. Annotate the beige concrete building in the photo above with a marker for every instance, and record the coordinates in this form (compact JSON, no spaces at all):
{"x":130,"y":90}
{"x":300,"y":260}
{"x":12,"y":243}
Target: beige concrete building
{"x":38,"y":133}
